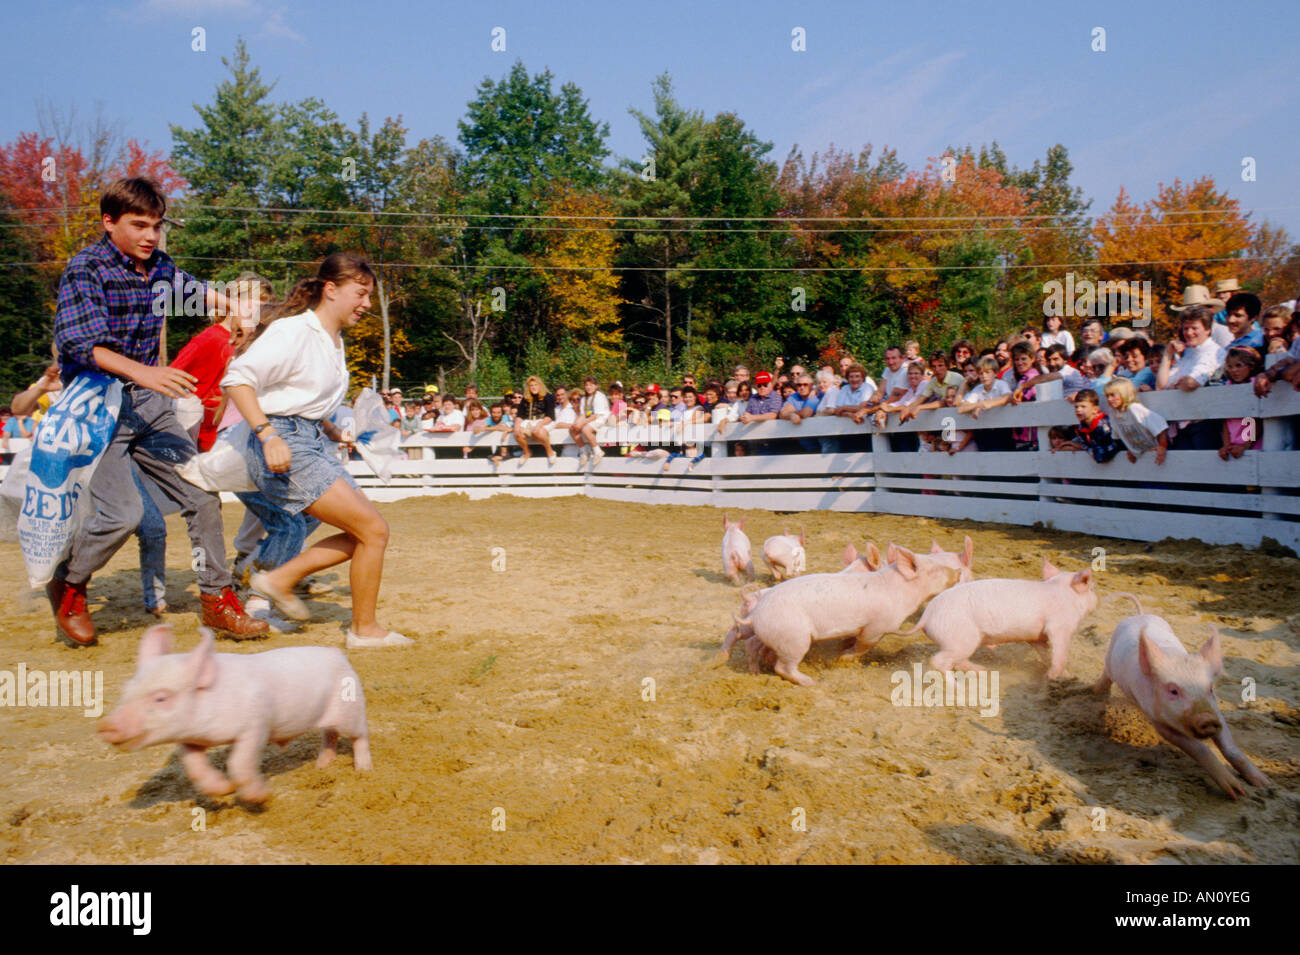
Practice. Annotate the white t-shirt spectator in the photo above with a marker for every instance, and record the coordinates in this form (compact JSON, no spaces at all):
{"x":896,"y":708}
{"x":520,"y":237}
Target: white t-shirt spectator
{"x":596,"y":404}
{"x":1073,"y":381}
{"x":1220,"y":335}
{"x":980,"y":393}
{"x":565,"y":416}
{"x":1137,"y":427}
{"x":1059,"y":338}
{"x":850,"y":397}
{"x":1199,"y":363}
{"x":452,"y":419}
{"x":892,"y":380}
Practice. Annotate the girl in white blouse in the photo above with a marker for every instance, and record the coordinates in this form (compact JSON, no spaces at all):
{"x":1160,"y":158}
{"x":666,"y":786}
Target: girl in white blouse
{"x":1055,"y":334}
{"x":288,"y":383}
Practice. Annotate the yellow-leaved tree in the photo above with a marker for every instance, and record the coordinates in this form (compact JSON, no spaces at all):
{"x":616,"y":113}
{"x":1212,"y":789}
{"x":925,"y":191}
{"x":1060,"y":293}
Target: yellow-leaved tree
{"x":583,"y":288}
{"x":1179,"y":229}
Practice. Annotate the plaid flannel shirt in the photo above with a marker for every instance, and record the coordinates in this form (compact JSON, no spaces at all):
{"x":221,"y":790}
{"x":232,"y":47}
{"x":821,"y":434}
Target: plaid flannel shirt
{"x":104,"y":301}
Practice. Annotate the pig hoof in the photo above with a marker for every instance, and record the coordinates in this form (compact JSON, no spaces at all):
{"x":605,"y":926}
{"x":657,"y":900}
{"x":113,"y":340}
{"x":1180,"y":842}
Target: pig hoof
{"x":325,"y":758}
{"x":214,"y":788}
{"x":254,"y":792}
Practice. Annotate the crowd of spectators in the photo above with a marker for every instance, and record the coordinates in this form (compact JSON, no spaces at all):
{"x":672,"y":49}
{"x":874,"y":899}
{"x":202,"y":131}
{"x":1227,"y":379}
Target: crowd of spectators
{"x":1223,"y":337}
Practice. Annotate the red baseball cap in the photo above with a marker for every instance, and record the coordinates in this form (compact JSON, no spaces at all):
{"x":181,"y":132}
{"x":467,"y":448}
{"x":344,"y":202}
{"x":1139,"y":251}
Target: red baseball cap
{"x":763,"y":378}
{"x":652,"y":388}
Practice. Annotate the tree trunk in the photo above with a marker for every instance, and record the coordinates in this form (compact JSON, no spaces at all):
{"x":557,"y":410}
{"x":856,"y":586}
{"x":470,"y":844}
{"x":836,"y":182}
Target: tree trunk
{"x":383,"y":314}
{"x":668,"y":319}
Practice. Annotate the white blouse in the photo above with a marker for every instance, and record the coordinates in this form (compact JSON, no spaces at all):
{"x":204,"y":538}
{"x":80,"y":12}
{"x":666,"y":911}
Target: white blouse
{"x":295,"y":368}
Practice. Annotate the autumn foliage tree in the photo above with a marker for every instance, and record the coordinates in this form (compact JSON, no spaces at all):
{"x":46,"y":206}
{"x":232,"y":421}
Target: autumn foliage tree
{"x":583,"y":288}
{"x":1191,"y":235}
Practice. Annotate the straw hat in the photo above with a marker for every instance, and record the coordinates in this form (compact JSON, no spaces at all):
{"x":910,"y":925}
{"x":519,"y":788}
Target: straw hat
{"x":1226,"y":285}
{"x":1196,"y":295}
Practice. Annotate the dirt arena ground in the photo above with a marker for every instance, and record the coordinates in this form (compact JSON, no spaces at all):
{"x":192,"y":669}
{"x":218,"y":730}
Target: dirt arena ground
{"x":526,"y":697}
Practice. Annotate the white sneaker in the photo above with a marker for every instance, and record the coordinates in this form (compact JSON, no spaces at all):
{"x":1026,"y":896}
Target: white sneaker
{"x":392,"y":639}
{"x":258,"y":606}
{"x":289,"y":604}
{"x":597,"y":456}
{"x":582,"y":456}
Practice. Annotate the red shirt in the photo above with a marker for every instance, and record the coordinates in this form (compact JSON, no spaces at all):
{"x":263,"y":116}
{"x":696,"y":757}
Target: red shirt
{"x":205,"y":356}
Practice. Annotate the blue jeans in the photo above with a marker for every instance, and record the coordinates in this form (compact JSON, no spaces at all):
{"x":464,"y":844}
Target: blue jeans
{"x":152,"y":533}
{"x":285,"y":533}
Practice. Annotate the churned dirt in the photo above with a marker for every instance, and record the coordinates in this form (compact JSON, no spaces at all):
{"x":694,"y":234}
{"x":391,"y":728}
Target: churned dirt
{"x":528,"y":703}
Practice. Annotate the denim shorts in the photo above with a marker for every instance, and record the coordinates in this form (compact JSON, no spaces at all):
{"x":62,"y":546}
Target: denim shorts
{"x":313,"y":469}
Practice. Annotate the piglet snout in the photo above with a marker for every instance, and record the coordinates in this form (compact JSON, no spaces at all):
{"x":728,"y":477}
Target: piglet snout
{"x":1205,"y":724}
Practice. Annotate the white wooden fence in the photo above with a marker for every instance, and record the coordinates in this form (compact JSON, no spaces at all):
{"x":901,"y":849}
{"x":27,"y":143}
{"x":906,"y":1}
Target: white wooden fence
{"x":1194,"y":495}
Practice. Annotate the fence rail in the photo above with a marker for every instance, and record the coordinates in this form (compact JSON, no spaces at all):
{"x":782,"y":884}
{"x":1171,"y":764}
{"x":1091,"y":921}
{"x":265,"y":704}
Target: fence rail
{"x":1194,"y":495}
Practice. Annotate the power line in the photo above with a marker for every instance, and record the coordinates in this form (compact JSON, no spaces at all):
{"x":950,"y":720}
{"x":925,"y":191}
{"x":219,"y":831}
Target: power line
{"x":1223,"y":211}
{"x":641,"y":268}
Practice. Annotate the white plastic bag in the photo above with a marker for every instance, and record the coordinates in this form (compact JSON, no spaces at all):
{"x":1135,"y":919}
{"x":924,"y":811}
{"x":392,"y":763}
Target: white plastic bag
{"x":222,"y":468}
{"x":376,"y":438}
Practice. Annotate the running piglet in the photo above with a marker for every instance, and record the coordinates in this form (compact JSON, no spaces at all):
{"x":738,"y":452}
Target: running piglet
{"x":785,"y":555}
{"x":1175,"y":689}
{"x":1043,"y":612}
{"x":202,"y":699}
{"x":736,"y":550}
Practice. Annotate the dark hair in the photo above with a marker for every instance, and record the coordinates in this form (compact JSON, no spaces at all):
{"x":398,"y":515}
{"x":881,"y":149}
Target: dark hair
{"x":1022,"y":348}
{"x":889,"y":348}
{"x":938,"y":354}
{"x":1088,"y":395}
{"x":1058,"y":349}
{"x":1246,"y":354}
{"x":1199,"y":313}
{"x":1136,"y":343}
{"x":689,"y":388}
{"x":1062,"y":432}
{"x":589,"y":378}
{"x":337,"y":268}
{"x":1093,"y":321}
{"x":138,"y":195}
{"x":1246,"y":300}
{"x":965,"y":343}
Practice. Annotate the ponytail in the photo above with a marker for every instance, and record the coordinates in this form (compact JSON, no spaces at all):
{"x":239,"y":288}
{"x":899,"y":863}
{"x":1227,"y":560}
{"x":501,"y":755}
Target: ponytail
{"x":338,"y":268}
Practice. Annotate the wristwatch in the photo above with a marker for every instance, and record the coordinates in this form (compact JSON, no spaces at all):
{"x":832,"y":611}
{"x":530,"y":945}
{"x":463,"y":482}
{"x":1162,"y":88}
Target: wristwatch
{"x":258,"y":430}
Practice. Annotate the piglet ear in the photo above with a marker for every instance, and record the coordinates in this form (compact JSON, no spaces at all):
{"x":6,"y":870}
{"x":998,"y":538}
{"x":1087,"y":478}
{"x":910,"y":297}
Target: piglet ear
{"x":801,"y":535}
{"x":1212,"y":651}
{"x":935,"y":548}
{"x":906,"y":563}
{"x":156,"y":642}
{"x":873,"y":558}
{"x":850,"y":555}
{"x":1082,"y":580}
{"x":202,"y":661}
{"x":1049,"y":569}
{"x":1150,"y":656}
{"x":968,"y":551}
{"x":891,"y":552}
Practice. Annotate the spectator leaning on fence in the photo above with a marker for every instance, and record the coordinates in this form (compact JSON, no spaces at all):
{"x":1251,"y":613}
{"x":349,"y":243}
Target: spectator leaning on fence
{"x":1242,"y":311}
{"x":1239,"y":434}
{"x":593,"y":411}
{"x":894,"y":380}
{"x":1188,"y":364}
{"x":1137,"y":426}
{"x":1093,"y":433}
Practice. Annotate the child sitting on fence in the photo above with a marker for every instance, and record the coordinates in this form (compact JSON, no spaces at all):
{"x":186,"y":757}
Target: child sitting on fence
{"x":1140,"y":428}
{"x":1240,"y":434}
{"x":1093,"y":433}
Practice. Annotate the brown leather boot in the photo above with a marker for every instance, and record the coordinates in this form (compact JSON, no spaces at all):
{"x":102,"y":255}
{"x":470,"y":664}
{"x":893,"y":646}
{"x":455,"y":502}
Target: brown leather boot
{"x":224,"y":612}
{"x":69,"y":604}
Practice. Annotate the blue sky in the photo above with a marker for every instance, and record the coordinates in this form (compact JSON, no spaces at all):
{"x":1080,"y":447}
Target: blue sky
{"x":1183,"y":89}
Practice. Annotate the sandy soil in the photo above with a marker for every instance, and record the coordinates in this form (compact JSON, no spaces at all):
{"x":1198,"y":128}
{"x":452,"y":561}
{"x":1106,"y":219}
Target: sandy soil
{"x":526,"y":695}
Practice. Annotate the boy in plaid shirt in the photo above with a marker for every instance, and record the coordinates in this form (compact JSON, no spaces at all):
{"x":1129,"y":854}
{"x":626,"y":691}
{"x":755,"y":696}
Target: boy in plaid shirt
{"x":107,"y":322}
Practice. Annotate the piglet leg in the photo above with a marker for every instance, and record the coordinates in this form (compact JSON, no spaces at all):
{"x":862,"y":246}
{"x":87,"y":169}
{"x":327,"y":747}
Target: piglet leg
{"x":1239,"y":760}
{"x":206,"y":778}
{"x":246,"y":765}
